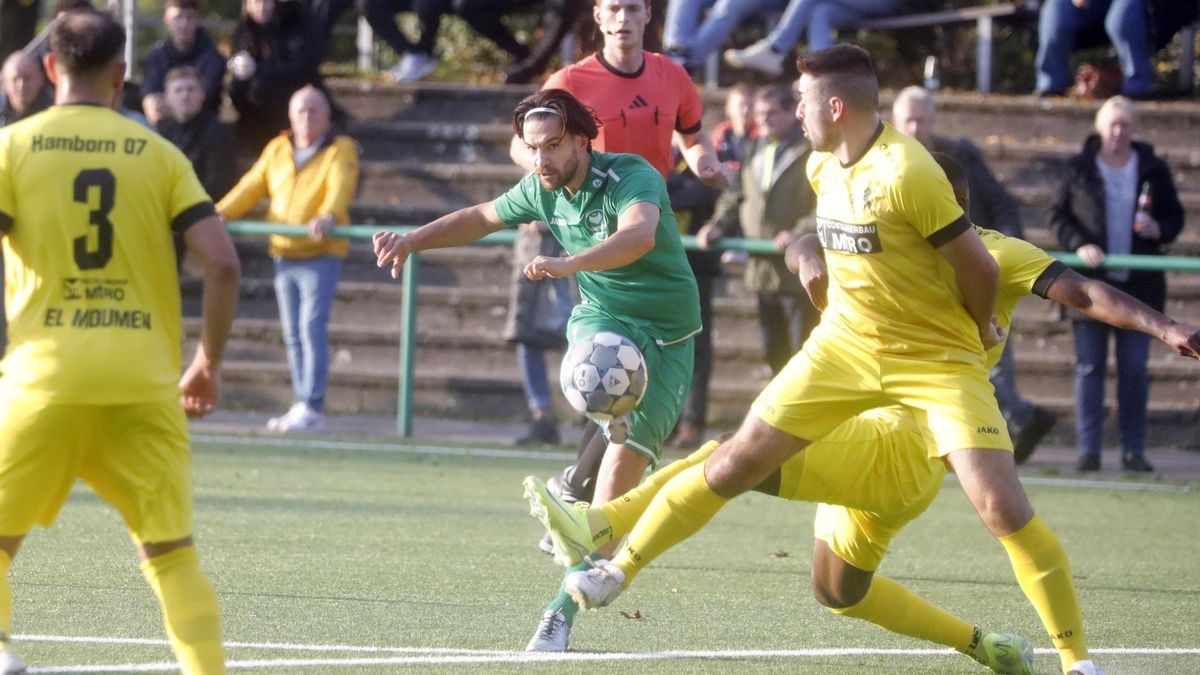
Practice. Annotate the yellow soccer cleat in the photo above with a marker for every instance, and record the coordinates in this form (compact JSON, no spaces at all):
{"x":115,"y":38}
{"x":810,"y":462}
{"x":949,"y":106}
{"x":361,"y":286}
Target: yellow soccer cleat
{"x":1004,"y":653}
{"x":567,"y":523}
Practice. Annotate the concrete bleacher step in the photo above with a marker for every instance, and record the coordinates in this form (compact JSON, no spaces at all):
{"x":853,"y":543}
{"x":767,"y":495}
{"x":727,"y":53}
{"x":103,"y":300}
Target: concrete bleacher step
{"x":1025,"y":118}
{"x":264,"y":386}
{"x":1044,"y":357}
{"x":1014,"y":161}
{"x":412,"y":194}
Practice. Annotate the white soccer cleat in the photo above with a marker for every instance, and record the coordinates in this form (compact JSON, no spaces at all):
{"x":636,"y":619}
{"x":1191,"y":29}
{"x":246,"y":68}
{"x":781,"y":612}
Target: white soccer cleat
{"x":1085,"y":667}
{"x":596,"y":587}
{"x":552,"y":635}
{"x":11,"y":664}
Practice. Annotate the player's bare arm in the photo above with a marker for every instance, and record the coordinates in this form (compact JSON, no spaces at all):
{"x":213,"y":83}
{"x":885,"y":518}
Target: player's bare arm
{"x":702,"y":159}
{"x":209,"y":242}
{"x":1104,"y":303}
{"x":805,"y":258}
{"x":633,"y":239}
{"x":455,"y":229}
{"x":978,"y":279}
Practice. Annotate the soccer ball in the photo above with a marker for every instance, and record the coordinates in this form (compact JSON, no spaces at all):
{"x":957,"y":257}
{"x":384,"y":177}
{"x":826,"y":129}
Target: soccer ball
{"x":603,"y":376}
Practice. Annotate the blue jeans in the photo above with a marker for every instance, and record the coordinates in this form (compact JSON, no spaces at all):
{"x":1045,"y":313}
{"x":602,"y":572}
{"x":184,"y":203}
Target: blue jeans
{"x":682,"y":20}
{"x":304,"y":289}
{"x":721,"y":20}
{"x":1133,"y":386}
{"x":1123,"y":20}
{"x":532,"y":362}
{"x":821,"y":18}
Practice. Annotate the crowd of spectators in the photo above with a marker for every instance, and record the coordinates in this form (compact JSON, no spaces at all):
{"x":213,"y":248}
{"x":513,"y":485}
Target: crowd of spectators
{"x":270,"y":73}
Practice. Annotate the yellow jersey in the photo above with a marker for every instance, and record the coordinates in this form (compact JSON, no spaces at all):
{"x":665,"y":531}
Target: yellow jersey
{"x":1024,"y":270}
{"x":880,"y":219}
{"x":88,"y":202}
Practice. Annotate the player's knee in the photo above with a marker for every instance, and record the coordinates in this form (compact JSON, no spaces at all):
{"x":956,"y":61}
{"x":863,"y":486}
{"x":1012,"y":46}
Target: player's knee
{"x":1004,"y":511}
{"x":834,"y":596}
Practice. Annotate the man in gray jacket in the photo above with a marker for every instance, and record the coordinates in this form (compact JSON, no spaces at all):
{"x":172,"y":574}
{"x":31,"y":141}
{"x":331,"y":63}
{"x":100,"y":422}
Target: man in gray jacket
{"x":772,"y":200}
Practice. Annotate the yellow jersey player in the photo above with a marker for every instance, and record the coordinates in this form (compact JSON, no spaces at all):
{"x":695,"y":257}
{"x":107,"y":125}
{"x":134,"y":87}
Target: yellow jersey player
{"x":91,"y":387}
{"x":895,"y":333}
{"x":872,"y":475}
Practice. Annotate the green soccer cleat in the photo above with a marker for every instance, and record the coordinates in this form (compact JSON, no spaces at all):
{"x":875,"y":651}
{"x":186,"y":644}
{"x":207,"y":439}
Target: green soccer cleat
{"x":567,"y":524}
{"x":1004,"y":653}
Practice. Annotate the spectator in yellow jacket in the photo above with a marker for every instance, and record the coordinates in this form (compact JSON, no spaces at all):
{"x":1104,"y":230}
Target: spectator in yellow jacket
{"x":310,"y":175}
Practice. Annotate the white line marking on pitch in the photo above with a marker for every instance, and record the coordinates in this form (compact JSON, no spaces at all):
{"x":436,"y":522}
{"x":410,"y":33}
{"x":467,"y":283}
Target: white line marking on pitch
{"x":452,"y":451}
{"x":446,"y":656}
{"x":463,"y":451}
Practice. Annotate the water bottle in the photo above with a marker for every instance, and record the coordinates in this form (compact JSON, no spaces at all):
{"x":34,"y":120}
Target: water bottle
{"x":932,"y":80}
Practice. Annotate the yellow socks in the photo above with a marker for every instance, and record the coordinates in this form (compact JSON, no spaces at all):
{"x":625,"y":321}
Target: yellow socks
{"x":1041,"y":566}
{"x":190,"y":611}
{"x":622,"y":513}
{"x":678,"y":511}
{"x":889,"y":605}
{"x":6,"y":601}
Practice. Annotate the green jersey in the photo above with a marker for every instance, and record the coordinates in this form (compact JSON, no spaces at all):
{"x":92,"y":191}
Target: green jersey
{"x":656,"y":292}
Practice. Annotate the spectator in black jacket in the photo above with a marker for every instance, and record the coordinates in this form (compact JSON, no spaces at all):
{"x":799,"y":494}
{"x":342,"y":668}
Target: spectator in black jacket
{"x":914,"y":112}
{"x":187,"y":44}
{"x":1118,"y":197}
{"x":276,"y":53}
{"x":195,"y":129}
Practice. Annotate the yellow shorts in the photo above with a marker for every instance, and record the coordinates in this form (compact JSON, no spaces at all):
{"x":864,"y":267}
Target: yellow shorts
{"x":136,"y":457}
{"x":824,"y":385}
{"x":872,"y":476}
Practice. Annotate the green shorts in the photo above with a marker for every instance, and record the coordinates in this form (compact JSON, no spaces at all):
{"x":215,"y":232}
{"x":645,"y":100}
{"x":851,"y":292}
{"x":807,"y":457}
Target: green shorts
{"x":668,"y":377}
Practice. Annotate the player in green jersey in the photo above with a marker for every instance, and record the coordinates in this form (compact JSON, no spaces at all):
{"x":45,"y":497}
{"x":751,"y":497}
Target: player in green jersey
{"x":611,"y":214}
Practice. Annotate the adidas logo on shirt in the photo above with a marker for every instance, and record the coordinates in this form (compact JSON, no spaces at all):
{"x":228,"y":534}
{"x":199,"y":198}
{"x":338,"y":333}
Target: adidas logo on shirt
{"x":639,"y":102}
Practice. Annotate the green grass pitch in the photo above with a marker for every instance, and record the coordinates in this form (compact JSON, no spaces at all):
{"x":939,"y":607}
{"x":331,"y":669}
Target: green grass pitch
{"x":431,"y":560}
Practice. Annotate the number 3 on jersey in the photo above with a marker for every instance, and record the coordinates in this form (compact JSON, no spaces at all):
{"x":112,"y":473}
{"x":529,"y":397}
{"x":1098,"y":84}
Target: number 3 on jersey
{"x":104,"y":181}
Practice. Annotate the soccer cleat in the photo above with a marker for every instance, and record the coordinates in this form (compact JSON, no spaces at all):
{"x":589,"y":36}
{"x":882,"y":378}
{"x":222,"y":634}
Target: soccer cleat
{"x":760,"y":56}
{"x":552,"y":635}
{"x":559,"y":485}
{"x":11,"y":664}
{"x":1004,"y":653}
{"x":596,"y":587}
{"x":1084,"y":667}
{"x":567,"y":524}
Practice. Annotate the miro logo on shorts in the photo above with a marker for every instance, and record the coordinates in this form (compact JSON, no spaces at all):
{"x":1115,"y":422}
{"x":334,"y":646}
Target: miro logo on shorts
{"x":847,"y":238}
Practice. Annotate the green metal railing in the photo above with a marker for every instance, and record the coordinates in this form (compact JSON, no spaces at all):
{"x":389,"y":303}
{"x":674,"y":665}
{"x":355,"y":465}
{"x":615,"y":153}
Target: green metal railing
{"x":408,"y":302}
